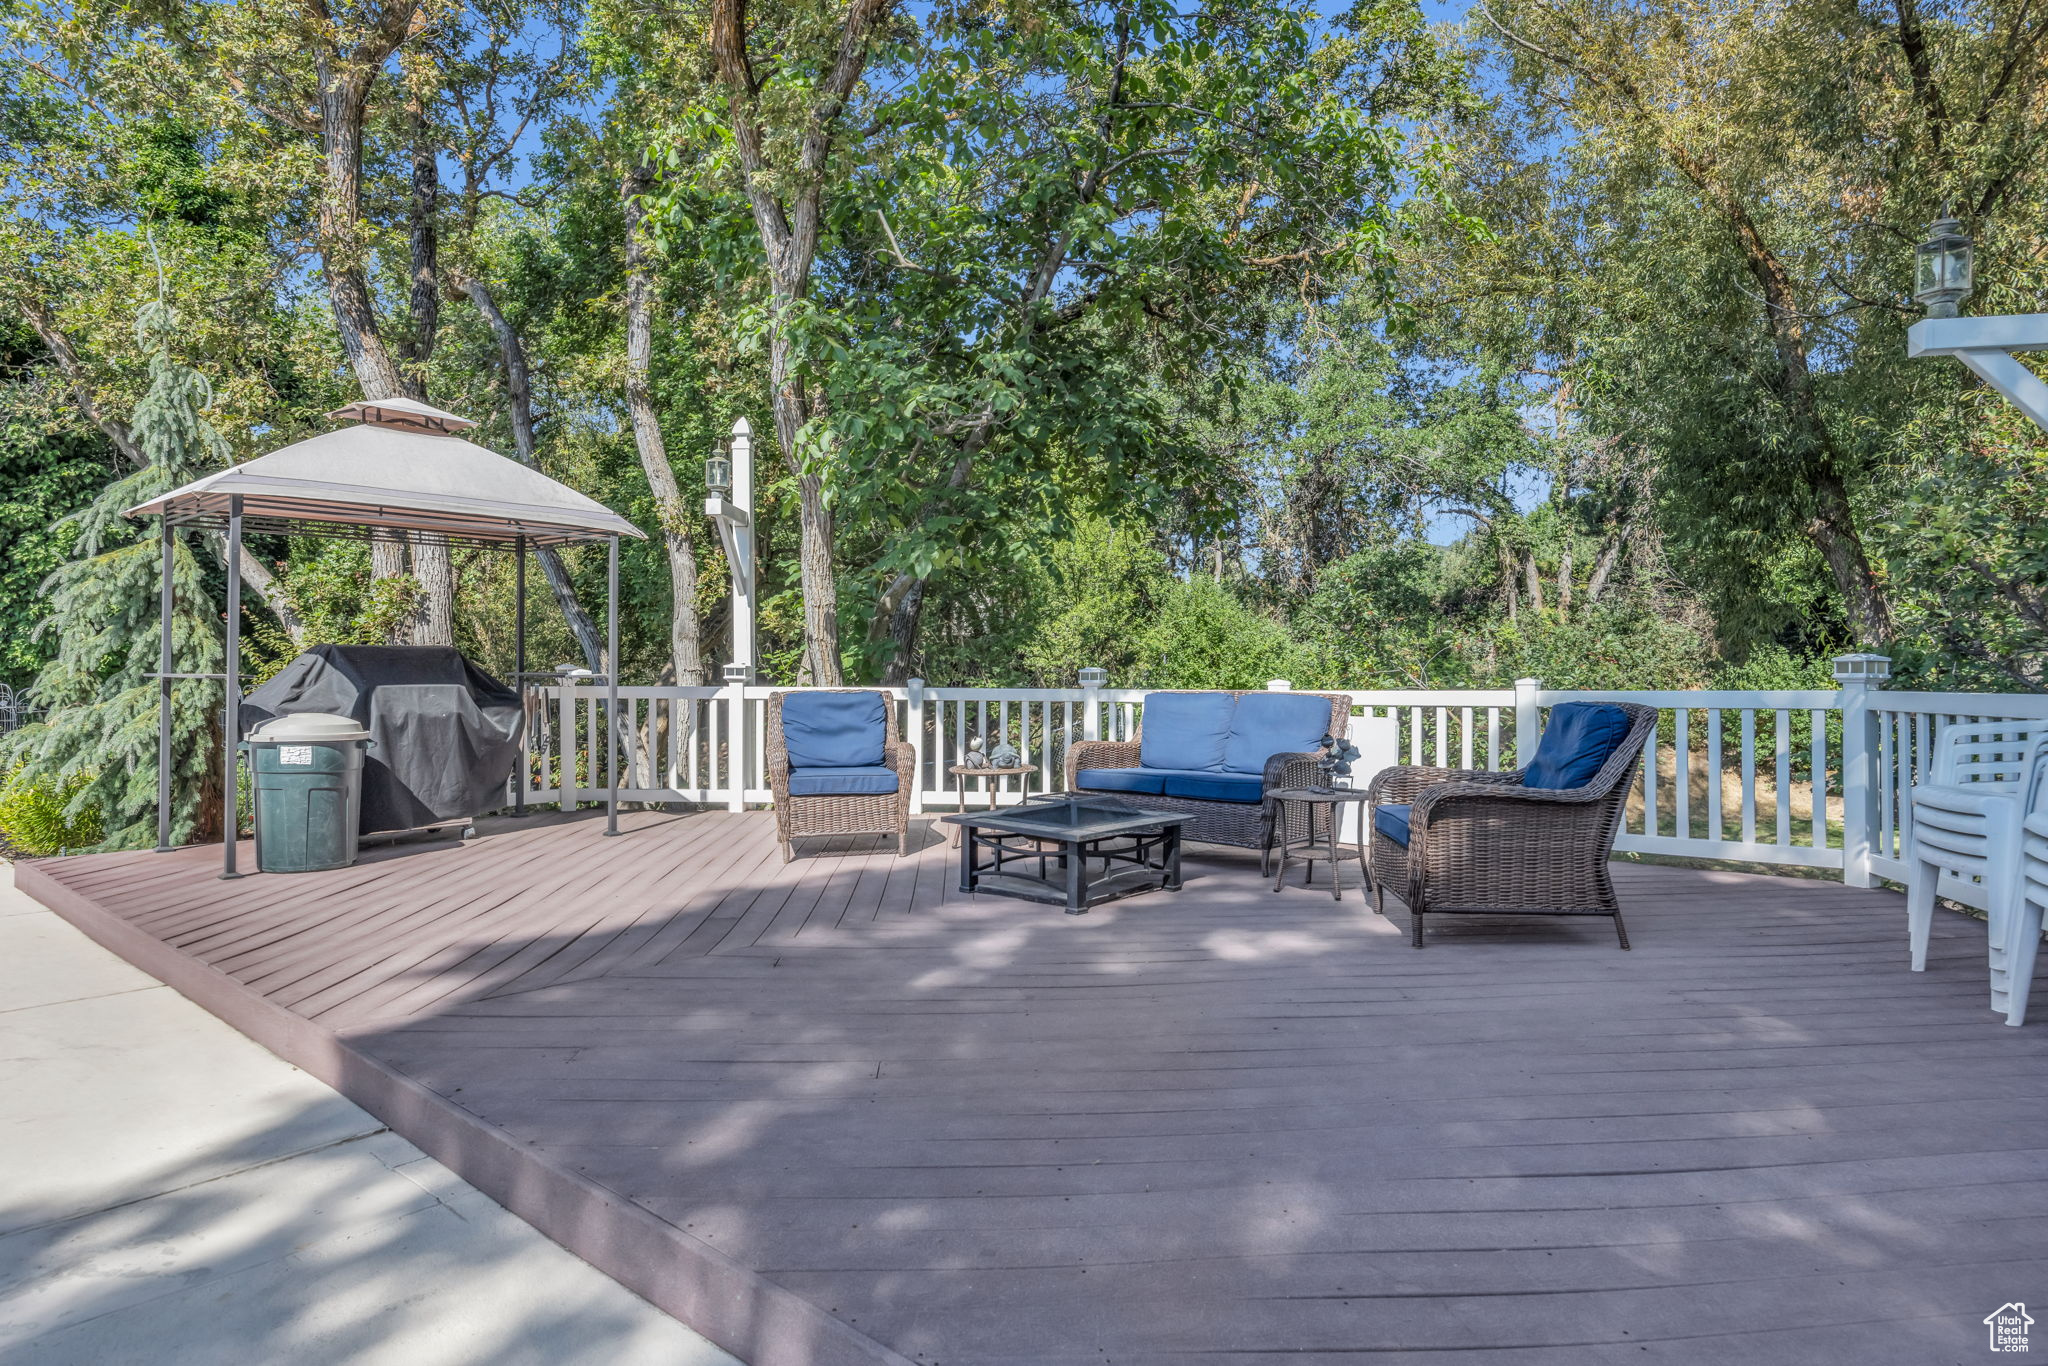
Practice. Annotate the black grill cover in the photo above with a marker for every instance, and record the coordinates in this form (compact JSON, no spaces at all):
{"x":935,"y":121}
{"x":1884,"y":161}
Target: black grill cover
{"x":444,"y":734}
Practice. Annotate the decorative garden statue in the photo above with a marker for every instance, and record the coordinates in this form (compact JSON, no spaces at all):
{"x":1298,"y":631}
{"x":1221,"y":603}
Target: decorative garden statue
{"x":1336,"y":761}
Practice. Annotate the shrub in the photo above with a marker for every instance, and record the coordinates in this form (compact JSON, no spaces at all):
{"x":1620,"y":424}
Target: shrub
{"x":36,"y":816}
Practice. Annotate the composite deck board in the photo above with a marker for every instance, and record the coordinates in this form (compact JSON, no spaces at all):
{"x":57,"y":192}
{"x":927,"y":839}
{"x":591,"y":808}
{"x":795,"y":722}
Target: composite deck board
{"x":1221,"y":1125}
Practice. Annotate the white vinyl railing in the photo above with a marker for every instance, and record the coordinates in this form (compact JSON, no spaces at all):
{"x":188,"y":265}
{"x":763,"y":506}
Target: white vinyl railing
{"x":1817,"y":778}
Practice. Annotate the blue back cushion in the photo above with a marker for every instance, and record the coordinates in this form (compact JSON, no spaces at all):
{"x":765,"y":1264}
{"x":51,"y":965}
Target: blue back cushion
{"x":1269,"y":723}
{"x":1394,"y":820}
{"x":1580,"y":738}
{"x":1184,"y":729}
{"x":835,"y":729}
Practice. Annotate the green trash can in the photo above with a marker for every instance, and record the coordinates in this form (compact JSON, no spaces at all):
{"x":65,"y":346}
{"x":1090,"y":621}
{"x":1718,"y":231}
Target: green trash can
{"x":307,"y":773}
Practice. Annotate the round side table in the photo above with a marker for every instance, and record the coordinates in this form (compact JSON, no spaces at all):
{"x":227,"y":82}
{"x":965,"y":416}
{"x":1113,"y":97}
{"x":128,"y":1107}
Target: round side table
{"x":1330,"y":801}
{"x":964,"y":772}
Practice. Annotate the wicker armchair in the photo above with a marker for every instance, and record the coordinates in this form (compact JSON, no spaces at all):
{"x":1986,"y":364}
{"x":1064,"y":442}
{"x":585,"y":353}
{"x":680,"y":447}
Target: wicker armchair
{"x":878,"y":813}
{"x":1480,"y":843}
{"x":1245,"y":825}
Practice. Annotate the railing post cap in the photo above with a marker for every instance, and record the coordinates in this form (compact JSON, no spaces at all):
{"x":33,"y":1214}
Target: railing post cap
{"x":738,"y":673}
{"x":1094,"y":677}
{"x":1862,"y":667}
{"x":1529,"y":683}
{"x":1279,"y":685}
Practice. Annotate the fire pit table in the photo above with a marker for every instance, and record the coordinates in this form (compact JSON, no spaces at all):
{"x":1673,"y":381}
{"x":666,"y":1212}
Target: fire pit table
{"x":1139,"y":850}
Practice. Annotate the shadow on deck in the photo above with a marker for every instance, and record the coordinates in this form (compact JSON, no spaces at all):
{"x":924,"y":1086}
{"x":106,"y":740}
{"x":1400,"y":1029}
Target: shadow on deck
{"x":834,"y":1111}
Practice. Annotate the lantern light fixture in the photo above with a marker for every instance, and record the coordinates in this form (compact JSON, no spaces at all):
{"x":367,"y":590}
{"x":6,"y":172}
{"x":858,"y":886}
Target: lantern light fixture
{"x":1942,"y":268}
{"x":718,"y":474}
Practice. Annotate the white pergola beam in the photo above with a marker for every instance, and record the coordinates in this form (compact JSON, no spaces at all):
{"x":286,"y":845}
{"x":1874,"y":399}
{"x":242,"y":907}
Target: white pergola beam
{"x":1985,"y":345}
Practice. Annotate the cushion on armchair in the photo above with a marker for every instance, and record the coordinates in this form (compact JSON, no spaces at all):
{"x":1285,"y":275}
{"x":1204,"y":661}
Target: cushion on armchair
{"x":1269,"y":723}
{"x":1184,"y":730}
{"x":1392,"y":820}
{"x":1121,"y":780}
{"x":1577,"y":743}
{"x":836,"y":730}
{"x":853,"y":780}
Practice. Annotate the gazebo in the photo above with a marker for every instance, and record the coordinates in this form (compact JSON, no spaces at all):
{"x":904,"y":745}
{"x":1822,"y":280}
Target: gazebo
{"x":400,"y":469}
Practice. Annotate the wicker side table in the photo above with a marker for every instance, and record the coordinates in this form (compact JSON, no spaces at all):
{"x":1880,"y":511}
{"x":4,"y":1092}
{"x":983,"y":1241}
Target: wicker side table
{"x":1331,"y":801}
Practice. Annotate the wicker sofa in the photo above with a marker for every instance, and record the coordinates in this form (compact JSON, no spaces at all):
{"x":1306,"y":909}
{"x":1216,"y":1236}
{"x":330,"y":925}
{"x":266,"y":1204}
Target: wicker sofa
{"x":837,"y":766}
{"x":1216,"y":756}
{"x":1465,"y":842}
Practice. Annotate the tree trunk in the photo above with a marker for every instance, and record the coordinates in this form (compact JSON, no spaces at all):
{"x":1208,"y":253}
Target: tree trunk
{"x":814,"y":517}
{"x":342,"y":96}
{"x":686,"y":651}
{"x":1832,"y":526}
{"x":1564,"y":578}
{"x":1534,"y":578}
{"x":789,"y":241}
{"x":1603,"y":564}
{"x":1508,"y":583}
{"x":520,"y":391}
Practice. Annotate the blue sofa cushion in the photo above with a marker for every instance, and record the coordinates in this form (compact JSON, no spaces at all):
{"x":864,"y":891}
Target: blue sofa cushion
{"x":1269,"y":723}
{"x":1184,"y":730}
{"x":853,"y":780}
{"x":1580,"y":738}
{"x":835,"y":729}
{"x":1392,"y":821}
{"x":1215,"y":787}
{"x":1120,"y":780}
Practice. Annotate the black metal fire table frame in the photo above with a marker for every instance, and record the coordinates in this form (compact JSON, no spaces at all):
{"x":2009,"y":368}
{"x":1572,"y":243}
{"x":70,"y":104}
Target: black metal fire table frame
{"x":1139,"y":851}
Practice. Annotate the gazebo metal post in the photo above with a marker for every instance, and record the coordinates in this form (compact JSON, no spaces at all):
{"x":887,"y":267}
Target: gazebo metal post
{"x":231,"y":715}
{"x":519,"y":683}
{"x":611,"y":688}
{"x":163,"y":700}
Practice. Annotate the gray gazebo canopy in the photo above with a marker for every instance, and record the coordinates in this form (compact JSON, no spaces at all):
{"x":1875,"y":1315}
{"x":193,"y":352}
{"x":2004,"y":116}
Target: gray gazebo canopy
{"x":400,"y":469}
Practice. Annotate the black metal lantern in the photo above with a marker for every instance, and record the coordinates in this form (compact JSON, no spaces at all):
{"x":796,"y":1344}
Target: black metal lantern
{"x":718,"y":474}
{"x":1942,"y":269}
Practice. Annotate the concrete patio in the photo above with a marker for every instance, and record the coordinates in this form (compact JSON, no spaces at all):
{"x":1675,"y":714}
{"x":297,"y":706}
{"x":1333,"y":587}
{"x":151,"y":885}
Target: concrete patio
{"x":174,"y":1194}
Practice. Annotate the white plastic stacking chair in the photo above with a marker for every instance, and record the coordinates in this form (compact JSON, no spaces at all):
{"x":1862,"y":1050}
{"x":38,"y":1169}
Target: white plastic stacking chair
{"x":2023,"y":930}
{"x":1966,"y":821}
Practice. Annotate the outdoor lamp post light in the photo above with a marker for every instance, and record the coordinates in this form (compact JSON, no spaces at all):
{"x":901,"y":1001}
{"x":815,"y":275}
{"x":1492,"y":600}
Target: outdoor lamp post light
{"x":718,"y":474}
{"x":1941,"y":269}
{"x":1944,"y":276}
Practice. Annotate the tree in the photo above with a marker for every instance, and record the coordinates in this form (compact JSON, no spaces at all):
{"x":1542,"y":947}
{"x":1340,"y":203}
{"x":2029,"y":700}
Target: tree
{"x":98,"y":737}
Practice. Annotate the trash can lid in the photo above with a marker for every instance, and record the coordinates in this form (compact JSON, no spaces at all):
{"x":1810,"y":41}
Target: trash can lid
{"x":308,"y":727}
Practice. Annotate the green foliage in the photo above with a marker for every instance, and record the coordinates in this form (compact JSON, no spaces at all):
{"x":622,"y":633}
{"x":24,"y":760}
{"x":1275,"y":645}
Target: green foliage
{"x":98,"y":736}
{"x":1966,"y":547}
{"x":329,"y":586}
{"x":43,"y":816}
{"x":44,"y":477}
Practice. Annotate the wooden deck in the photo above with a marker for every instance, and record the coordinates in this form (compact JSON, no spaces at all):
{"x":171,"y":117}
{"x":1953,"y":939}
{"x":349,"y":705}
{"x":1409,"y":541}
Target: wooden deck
{"x":833,"y":1111}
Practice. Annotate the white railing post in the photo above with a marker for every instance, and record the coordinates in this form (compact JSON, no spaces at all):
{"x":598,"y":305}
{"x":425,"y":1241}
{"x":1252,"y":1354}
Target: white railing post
{"x":1856,"y":675}
{"x":1528,"y":719}
{"x":1091,"y":702}
{"x":1279,"y":685}
{"x":914,"y":719}
{"x":739,"y":747}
